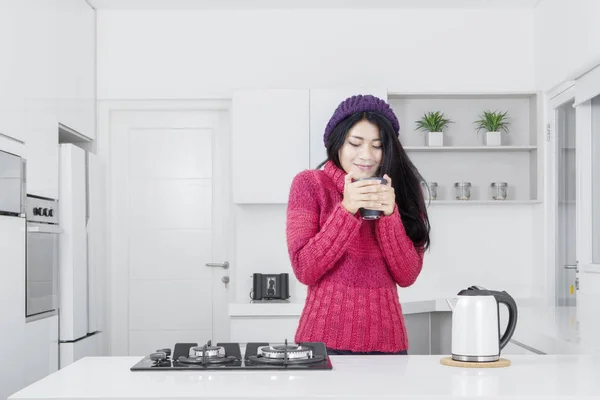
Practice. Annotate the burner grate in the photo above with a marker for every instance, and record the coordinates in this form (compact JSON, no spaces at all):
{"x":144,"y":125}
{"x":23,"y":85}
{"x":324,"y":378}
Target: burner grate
{"x":227,"y":356}
{"x":286,"y":354}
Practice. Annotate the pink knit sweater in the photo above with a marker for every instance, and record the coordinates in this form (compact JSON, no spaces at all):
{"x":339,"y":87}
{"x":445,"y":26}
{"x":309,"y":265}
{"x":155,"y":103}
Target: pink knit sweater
{"x":351,"y":267}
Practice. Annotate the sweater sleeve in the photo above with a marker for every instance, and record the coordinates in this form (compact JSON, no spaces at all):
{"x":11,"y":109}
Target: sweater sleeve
{"x":314,"y":250}
{"x":403,"y":259}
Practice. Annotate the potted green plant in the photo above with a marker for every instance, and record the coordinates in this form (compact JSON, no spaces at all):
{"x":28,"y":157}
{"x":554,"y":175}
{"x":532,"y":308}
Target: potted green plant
{"x":433,"y":123}
{"x":494,"y":123}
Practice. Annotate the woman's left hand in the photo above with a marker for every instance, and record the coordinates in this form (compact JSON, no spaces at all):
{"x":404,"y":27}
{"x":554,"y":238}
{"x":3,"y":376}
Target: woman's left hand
{"x":388,"y":197}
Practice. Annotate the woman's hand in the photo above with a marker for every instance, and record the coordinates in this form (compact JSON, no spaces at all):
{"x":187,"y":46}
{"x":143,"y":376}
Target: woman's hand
{"x":369,"y":194}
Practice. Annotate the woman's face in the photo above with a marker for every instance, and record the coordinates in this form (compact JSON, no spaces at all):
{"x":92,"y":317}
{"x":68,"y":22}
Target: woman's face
{"x":362,"y":150}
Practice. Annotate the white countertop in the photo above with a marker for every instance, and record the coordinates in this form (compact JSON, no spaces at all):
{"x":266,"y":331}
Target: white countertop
{"x":559,"y":330}
{"x":549,"y":330}
{"x":352,"y":377}
{"x":295,"y":309}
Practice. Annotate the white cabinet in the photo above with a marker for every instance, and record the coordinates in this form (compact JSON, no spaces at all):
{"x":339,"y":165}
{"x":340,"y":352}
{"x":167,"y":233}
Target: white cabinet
{"x":323,"y":103}
{"x":12,"y":299}
{"x":11,"y":117}
{"x":270,"y":143}
{"x":41,"y":344}
{"x":76,"y":72}
{"x":36,"y":77}
{"x":264,"y":329}
{"x":90,"y":346}
{"x":12,"y":146}
{"x":42,"y":155}
{"x":277,"y":134}
{"x":52,"y":82}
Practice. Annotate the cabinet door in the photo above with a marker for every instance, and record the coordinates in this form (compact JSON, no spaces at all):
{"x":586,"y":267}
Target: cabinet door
{"x":269,"y":143}
{"x":41,"y":344}
{"x":323,"y":103}
{"x":42,"y":158}
{"x":12,"y":299}
{"x":37,"y":41}
{"x":10,"y":101}
{"x":76,"y":75}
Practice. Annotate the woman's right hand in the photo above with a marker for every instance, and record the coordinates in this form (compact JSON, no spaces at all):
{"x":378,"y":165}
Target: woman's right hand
{"x":361,"y":194}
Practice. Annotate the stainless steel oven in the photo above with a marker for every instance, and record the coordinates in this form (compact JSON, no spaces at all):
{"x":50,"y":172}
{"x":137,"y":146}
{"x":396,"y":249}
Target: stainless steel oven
{"x":12,"y":185}
{"x":42,"y":257}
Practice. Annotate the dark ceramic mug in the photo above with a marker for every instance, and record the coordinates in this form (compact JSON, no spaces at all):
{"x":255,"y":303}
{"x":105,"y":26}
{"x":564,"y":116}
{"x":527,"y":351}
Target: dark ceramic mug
{"x":371,"y":214}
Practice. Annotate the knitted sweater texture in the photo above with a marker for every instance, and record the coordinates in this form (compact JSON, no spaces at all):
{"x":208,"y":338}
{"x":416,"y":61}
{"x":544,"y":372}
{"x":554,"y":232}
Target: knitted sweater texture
{"x":351,"y":267}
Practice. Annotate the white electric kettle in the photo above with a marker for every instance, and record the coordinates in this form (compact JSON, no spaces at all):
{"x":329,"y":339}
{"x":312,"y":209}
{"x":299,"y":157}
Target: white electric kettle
{"x":476,"y":324}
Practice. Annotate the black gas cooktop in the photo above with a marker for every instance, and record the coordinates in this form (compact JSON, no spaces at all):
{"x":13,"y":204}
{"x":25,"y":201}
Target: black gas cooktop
{"x":228,"y":356}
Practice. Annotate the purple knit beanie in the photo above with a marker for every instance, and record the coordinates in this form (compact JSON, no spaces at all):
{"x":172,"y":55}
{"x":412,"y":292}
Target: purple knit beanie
{"x":360,"y":103}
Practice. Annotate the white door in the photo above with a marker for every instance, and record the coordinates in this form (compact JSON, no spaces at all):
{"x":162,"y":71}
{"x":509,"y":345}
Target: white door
{"x":588,"y":301}
{"x":564,"y":194}
{"x":169,"y":199}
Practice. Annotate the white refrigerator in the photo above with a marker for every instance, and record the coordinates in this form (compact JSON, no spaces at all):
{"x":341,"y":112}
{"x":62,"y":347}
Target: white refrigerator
{"x":80,"y":256}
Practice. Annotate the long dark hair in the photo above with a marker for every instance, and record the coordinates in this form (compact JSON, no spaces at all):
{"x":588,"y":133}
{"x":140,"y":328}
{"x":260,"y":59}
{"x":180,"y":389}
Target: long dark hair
{"x":406,"y":179}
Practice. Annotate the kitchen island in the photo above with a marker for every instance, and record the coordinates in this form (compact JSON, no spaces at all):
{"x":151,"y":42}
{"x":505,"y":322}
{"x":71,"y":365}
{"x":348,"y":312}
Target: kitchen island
{"x":353,"y":377}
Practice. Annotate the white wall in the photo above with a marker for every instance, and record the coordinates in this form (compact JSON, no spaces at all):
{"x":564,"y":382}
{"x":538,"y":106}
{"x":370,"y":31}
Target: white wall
{"x":567,"y":37}
{"x":199,"y":54}
{"x":487,"y":245}
{"x":190,"y":54}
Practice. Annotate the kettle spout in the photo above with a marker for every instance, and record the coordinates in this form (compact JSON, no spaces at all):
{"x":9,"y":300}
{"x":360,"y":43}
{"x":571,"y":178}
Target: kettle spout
{"x":452,"y":303}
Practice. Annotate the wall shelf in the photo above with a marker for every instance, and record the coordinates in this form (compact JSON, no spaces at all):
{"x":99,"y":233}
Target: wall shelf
{"x":470,"y":148}
{"x":464,"y":156}
{"x":482,"y":202}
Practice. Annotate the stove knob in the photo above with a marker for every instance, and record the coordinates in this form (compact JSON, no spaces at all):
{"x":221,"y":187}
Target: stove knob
{"x":160,"y":356}
{"x":45,"y":212}
{"x":36,"y":211}
{"x":166,"y":351}
{"x":50,"y":212}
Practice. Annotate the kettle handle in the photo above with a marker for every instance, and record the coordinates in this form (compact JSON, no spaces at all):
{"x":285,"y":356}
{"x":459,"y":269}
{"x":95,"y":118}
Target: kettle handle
{"x":503,"y":297}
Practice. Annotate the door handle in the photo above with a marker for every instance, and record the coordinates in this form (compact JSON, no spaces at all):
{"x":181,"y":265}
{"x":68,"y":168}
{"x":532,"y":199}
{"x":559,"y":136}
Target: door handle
{"x":570,"y":266}
{"x":44,"y":229}
{"x":224,"y":265}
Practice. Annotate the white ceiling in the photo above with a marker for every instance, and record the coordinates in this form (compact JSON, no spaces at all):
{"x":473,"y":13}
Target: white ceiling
{"x":306,"y":4}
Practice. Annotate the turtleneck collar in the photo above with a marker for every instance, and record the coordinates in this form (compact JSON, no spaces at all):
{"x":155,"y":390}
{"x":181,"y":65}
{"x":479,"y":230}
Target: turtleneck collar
{"x":336,"y":174}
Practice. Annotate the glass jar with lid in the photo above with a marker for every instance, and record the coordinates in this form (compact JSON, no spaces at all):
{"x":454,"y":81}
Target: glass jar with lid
{"x":429,"y":190}
{"x":462,"y":190}
{"x":498,"y":190}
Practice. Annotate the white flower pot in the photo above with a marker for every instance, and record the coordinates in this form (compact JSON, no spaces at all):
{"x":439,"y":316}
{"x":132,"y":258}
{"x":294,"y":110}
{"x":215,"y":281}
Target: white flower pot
{"x":493,"y":139}
{"x":435,"y":139}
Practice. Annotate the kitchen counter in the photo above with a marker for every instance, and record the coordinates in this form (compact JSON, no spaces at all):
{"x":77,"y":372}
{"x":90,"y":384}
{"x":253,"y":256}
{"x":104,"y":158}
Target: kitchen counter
{"x":295,"y":309}
{"x":559,"y":330}
{"x":355,"y":377}
{"x":543,"y":330}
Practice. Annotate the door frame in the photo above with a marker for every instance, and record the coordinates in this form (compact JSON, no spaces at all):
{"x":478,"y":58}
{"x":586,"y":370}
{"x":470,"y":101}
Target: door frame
{"x":584,"y":145}
{"x":115,"y":318}
{"x":555,"y":98}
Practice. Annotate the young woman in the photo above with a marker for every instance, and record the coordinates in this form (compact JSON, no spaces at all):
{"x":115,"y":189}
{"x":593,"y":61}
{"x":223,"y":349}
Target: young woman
{"x":352,"y":265}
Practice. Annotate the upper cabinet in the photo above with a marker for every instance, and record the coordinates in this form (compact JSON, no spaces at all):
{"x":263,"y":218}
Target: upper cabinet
{"x":277,"y":134}
{"x":11,"y":118}
{"x":323,"y":103}
{"x":36,"y":40}
{"x":76,"y":58}
{"x":270,"y":143}
{"x":47,"y":77}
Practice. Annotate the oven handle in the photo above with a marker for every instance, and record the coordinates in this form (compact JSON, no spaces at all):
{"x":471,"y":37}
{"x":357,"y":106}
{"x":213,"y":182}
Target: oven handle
{"x":44,"y":229}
